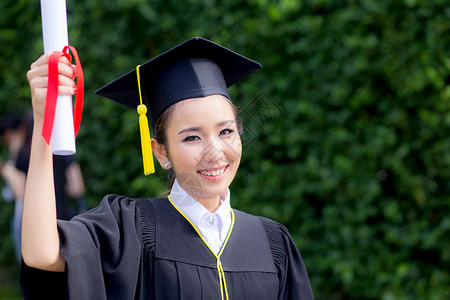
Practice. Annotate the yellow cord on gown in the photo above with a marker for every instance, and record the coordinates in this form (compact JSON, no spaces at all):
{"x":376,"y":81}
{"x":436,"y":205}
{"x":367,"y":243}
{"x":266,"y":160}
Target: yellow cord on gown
{"x":222,"y":281}
{"x":147,"y":154}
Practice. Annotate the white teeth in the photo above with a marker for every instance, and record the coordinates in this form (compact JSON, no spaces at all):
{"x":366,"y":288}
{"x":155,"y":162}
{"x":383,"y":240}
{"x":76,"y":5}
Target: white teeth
{"x":213,"y":173}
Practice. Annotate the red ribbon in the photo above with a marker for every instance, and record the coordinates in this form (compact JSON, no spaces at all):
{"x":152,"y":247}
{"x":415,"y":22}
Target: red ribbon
{"x":52,"y":92}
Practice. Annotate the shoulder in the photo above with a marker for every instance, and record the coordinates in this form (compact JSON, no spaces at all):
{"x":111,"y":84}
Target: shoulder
{"x":113,"y":209}
{"x":116,"y":208}
{"x":117,"y":217}
{"x":146,"y":217}
{"x":111,"y":204}
{"x":116,"y":201}
{"x":118,"y":204}
{"x":272,"y":228}
{"x":280,"y":241}
{"x":276,"y":232}
{"x":112,"y":200}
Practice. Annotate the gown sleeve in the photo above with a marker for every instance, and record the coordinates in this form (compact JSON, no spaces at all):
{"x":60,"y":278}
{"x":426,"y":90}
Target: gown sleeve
{"x":102,"y":250}
{"x":294,"y":281}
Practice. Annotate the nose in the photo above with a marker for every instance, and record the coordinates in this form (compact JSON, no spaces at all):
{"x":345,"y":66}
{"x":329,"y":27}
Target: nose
{"x":213,"y":151}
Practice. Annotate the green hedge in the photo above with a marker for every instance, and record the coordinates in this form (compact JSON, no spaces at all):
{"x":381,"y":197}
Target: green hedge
{"x":347,"y":126}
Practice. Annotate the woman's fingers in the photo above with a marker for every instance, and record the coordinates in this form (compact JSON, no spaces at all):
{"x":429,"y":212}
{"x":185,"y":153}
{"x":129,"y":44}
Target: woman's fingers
{"x":66,"y":69}
{"x":38,"y":76}
{"x":37,"y":71}
{"x":65,"y":81}
{"x":38,"y":80}
{"x":40,"y":67}
{"x":74,"y":68}
{"x":66,"y":86}
{"x":42,"y":60}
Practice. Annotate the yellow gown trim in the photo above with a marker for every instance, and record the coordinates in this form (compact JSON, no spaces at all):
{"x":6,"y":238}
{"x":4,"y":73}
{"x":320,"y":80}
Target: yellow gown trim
{"x":223,"y":283}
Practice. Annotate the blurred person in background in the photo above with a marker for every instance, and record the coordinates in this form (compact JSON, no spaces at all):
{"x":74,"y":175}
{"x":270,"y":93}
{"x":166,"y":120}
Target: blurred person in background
{"x":68,"y":180}
{"x":13,"y":136}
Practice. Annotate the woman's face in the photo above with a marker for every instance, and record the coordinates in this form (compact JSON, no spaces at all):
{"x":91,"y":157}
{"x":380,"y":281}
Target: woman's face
{"x":204,"y":145}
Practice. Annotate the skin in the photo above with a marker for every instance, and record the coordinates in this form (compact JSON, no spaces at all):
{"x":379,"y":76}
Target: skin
{"x":14,"y":140}
{"x":15,"y":178}
{"x":40,"y":241}
{"x":202,"y":137}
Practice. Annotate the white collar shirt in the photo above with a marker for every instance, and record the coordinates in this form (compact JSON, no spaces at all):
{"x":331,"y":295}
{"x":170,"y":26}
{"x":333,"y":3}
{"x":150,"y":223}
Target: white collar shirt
{"x":213,"y":227}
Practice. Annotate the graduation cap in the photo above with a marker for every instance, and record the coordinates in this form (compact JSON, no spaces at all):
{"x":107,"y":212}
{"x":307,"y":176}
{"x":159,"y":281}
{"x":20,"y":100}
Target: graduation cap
{"x":194,"y":68}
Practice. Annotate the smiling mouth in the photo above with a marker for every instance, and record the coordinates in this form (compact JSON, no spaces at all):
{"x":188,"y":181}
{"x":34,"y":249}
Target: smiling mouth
{"x":213,"y":172}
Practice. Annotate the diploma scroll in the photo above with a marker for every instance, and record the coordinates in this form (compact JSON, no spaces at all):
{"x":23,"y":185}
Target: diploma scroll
{"x":55,"y":35}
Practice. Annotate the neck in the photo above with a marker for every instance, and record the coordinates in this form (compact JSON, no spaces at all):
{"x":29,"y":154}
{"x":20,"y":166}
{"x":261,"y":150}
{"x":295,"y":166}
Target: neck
{"x":210,"y":203}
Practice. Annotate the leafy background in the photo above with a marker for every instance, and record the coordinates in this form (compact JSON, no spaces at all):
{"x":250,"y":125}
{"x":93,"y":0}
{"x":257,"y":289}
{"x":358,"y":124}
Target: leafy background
{"x":350,"y":145}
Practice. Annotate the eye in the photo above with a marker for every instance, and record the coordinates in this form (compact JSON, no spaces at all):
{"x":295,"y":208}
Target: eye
{"x":226,"y":131}
{"x":191,"y":138}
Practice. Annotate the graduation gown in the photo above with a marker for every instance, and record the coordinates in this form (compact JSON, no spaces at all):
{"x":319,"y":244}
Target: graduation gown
{"x":145,"y":249}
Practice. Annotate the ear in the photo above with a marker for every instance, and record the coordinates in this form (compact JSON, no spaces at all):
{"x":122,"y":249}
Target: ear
{"x":160,"y":152}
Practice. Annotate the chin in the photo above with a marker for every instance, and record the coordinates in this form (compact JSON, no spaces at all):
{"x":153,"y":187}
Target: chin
{"x":215,"y":188}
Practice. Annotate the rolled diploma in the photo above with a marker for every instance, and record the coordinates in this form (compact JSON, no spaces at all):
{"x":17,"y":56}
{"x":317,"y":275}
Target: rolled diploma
{"x":55,"y":35}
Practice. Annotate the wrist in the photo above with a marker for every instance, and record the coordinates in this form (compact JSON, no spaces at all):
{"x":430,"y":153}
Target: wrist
{"x":38,"y":120}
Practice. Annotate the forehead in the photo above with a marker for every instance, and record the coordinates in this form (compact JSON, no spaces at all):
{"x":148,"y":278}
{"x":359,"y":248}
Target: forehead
{"x":205,"y":110}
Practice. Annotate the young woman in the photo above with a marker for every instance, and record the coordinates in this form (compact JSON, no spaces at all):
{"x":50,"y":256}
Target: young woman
{"x":190,"y":245}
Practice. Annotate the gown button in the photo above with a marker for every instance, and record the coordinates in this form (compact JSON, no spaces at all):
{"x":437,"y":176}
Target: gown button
{"x":210,"y":220}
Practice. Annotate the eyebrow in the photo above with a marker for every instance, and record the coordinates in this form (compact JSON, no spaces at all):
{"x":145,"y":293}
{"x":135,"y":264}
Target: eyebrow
{"x":198,"y":128}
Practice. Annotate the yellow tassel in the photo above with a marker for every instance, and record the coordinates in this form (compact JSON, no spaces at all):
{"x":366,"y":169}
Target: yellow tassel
{"x":147,"y":154}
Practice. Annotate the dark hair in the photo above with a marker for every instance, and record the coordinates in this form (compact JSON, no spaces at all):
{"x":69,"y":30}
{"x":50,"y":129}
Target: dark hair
{"x":163,"y":121}
{"x":9,"y":122}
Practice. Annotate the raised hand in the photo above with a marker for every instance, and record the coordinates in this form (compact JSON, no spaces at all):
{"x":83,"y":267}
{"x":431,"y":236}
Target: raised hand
{"x":38,"y":80}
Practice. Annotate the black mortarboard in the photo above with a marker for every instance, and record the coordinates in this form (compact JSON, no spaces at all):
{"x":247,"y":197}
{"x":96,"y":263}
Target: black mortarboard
{"x":194,"y":68}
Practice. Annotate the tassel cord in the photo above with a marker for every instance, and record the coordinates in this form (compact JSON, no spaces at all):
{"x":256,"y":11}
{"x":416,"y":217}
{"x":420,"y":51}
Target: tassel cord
{"x":147,"y":154}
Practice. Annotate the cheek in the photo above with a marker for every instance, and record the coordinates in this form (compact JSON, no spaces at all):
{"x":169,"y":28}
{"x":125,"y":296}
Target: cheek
{"x":186,"y":155}
{"x":234,"y":148}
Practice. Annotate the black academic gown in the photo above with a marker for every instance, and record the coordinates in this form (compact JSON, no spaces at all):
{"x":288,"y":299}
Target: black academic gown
{"x":145,"y":249}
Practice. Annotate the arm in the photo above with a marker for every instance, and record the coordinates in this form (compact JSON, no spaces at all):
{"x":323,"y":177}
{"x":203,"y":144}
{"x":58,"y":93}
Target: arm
{"x":40,"y":240}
